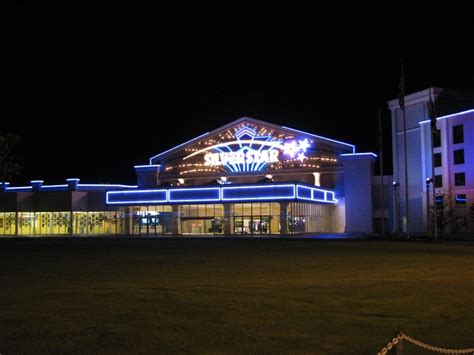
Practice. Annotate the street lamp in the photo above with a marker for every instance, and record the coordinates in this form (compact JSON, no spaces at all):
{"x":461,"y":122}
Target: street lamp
{"x":428,"y":182}
{"x":396,"y":192}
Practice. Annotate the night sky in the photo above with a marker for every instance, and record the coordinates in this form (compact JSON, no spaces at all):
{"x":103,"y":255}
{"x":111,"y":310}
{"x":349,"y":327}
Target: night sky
{"x":94,"y":91}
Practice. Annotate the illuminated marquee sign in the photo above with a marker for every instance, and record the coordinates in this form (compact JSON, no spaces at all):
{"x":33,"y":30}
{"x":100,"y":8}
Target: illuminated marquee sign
{"x":252,"y":153}
{"x":242,"y":157}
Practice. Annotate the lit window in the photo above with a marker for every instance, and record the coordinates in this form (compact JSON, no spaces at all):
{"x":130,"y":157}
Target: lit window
{"x":461,"y":200}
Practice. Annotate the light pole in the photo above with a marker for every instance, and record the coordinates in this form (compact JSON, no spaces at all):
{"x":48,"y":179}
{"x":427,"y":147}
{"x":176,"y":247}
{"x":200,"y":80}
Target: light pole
{"x":396,"y":185}
{"x":428,"y":182}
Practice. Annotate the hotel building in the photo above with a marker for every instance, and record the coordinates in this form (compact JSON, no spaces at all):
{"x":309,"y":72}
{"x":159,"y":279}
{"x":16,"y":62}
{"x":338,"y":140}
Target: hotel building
{"x":453,"y":159}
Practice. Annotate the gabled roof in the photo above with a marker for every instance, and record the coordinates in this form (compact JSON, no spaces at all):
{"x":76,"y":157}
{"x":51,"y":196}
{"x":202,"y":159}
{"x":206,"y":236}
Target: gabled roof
{"x":159,"y":157}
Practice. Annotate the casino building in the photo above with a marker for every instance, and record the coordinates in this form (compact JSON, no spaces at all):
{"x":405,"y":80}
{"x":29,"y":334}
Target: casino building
{"x":248,"y":177}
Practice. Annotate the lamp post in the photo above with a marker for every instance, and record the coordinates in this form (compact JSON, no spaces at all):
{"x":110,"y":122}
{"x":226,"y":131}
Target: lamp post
{"x":395,"y":185}
{"x":428,"y":182}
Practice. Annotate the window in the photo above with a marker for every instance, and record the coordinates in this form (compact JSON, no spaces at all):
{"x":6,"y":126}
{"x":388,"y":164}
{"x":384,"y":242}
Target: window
{"x":437,"y":159}
{"x":459,"y":156}
{"x":438,"y":181}
{"x":460,"y":179}
{"x":461,"y":200}
{"x":458,"y":134}
{"x":436,"y":138}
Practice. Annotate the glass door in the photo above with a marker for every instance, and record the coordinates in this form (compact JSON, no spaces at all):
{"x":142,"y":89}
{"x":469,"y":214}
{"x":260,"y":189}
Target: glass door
{"x":201,"y":226}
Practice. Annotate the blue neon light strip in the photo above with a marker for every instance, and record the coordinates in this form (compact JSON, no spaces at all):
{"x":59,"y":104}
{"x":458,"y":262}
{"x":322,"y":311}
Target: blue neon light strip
{"x":359,"y":154}
{"x":321,"y":137}
{"x":319,"y":195}
{"x":246,"y":130}
{"x":304,"y":193}
{"x":330,"y":196}
{"x":65,"y":187}
{"x":195,"y":194}
{"x":151,"y":166}
{"x":314,"y":194}
{"x":19,"y":188}
{"x":448,"y":116}
{"x":134,"y":197}
{"x":275,"y":192}
{"x":104,"y":186}
{"x":55,"y":187}
{"x":261,"y":192}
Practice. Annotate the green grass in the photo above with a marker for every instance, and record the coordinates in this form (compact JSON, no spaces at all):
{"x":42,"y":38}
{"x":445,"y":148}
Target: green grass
{"x":89,"y":296}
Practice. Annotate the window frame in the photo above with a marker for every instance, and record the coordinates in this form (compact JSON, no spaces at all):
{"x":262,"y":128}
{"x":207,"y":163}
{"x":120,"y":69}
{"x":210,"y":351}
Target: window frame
{"x":460,"y":128}
{"x":454,"y":156}
{"x":435,"y":155}
{"x":456,"y":176}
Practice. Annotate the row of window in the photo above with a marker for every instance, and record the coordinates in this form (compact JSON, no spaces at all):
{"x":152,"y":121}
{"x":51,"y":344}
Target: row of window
{"x":458,"y":136}
{"x":458,"y":158}
{"x":460,"y":199}
{"x":459,"y":180}
{"x":59,"y":223}
{"x":240,"y":218}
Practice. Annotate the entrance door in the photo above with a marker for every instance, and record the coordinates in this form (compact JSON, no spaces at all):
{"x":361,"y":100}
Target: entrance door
{"x":244,"y":225}
{"x":259,"y":225}
{"x":200,"y":226}
{"x":150,"y":223}
{"x":264,"y":225}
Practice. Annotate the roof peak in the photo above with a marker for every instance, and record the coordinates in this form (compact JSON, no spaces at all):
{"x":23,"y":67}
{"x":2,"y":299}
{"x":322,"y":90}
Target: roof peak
{"x":154,"y":159}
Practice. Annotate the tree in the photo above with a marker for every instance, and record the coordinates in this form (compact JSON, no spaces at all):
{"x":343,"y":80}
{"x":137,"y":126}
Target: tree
{"x":444,"y":212}
{"x":8,"y":165}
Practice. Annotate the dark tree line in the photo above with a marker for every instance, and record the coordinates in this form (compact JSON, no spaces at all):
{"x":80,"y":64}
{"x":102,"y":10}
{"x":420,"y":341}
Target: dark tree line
{"x":9,"y":167}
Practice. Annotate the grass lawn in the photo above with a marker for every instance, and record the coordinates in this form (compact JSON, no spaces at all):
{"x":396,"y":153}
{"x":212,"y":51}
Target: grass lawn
{"x":89,"y":296}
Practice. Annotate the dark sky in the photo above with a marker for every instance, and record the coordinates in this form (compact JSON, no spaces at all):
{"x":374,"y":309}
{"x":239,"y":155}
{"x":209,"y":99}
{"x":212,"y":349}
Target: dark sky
{"x":94,"y":91}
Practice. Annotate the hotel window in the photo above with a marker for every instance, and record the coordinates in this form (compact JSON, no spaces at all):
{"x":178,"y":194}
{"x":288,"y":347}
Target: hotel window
{"x":461,"y":200}
{"x":458,"y":134}
{"x":438,"y":180}
{"x":459,"y":179}
{"x":459,"y":156}
{"x":437,"y":159}
{"x":436,"y":138}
